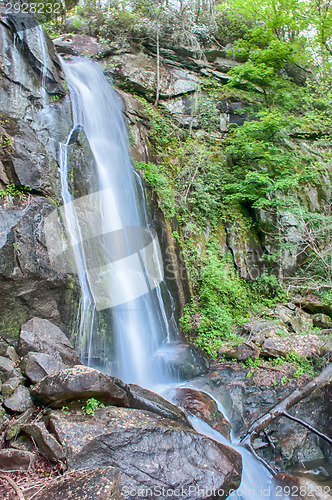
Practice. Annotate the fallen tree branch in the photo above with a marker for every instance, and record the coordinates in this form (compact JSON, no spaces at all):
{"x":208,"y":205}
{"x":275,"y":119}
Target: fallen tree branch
{"x":308,"y":426}
{"x":281,"y":408}
{"x":15,"y":487}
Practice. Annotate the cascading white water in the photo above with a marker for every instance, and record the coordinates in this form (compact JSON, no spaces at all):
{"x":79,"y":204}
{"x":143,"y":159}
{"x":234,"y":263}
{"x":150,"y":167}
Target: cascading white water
{"x":139,"y":326}
{"x":139,"y":321}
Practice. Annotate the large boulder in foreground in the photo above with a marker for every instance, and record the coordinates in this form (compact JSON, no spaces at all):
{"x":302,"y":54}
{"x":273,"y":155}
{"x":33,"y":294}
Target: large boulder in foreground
{"x":79,"y":383}
{"x":97,"y":484}
{"x":40,"y":335}
{"x":150,"y":451}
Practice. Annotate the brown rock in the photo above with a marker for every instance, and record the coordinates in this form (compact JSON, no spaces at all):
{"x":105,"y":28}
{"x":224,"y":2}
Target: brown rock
{"x":19,"y":401}
{"x":149,"y":450}
{"x":11,"y":459}
{"x":241,"y":352}
{"x":204,"y":407}
{"x":46,"y":443}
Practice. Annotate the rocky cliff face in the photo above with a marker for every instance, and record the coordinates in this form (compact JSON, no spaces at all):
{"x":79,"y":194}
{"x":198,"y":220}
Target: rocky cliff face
{"x":32,"y":122}
{"x":184,"y":78}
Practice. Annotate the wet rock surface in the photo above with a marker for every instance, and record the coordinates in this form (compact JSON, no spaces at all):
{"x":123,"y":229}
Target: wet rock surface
{"x":144,"y":399}
{"x":247,"y":398}
{"x":41,"y":336}
{"x":79,"y":382}
{"x":204,"y":407}
{"x":182,"y":361}
{"x":119,"y":436}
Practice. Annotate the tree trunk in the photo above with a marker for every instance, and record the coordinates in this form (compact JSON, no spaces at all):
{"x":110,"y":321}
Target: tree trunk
{"x":158,"y":68}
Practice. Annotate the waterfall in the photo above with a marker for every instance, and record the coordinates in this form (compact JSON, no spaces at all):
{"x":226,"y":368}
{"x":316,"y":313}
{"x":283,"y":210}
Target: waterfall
{"x":116,"y":255}
{"x":116,"y":251}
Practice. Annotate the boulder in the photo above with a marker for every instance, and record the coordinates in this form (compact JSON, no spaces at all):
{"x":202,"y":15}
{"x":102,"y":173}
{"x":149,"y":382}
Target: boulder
{"x":45,"y":441}
{"x":313,"y":304}
{"x":181,"y":361}
{"x":309,"y":346}
{"x":322,"y":321}
{"x":10,"y":385}
{"x":79,"y":382}
{"x":241,"y":352}
{"x":7,"y":369}
{"x":299,"y":321}
{"x":37,"y":365}
{"x":143,"y":399}
{"x":201,"y":405}
{"x":41,"y":336}
{"x":11,"y":459}
{"x":103,"y":483}
{"x":19,"y":401}
{"x":260,"y":329}
{"x":149,"y":450}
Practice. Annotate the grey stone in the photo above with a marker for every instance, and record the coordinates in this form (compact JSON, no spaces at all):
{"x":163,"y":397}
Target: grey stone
{"x":37,"y":365}
{"x":12,"y":459}
{"x":241,"y":352}
{"x":121,"y":436}
{"x":260,"y":329}
{"x":309,"y":346}
{"x":79,"y":382}
{"x":45,"y":441}
{"x":12,"y":354}
{"x":84,"y":45}
{"x":42,"y":336}
{"x":7,"y":369}
{"x":181,"y":361}
{"x":19,"y":401}
{"x":138,"y":71}
{"x":10,"y":385}
{"x":299,"y":321}
{"x":322,"y":321}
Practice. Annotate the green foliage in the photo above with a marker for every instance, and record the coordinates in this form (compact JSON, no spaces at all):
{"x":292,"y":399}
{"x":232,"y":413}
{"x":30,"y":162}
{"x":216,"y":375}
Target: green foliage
{"x":221,"y":300}
{"x":154,"y":174}
{"x":14,"y":191}
{"x":91,"y":405}
{"x":55,"y":97}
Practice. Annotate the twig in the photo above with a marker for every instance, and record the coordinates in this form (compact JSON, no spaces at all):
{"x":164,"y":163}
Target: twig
{"x":38,"y":491}
{"x":15,"y":487}
{"x":308,"y":426}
